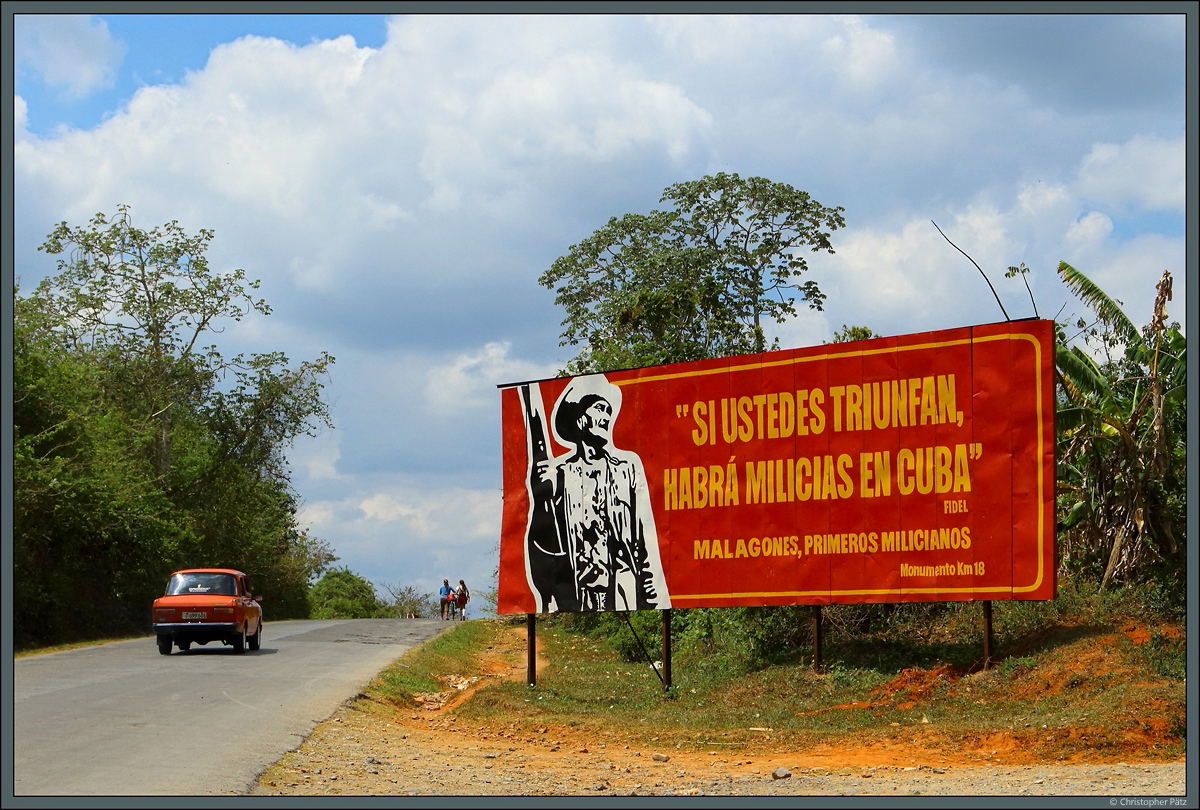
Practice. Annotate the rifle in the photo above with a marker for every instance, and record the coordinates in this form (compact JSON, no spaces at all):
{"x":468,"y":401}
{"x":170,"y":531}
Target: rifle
{"x":549,"y":568}
{"x":542,"y":530}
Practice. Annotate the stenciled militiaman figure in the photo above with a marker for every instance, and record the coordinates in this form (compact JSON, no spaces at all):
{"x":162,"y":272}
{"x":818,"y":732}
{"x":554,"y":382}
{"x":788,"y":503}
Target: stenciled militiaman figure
{"x":602,"y":530}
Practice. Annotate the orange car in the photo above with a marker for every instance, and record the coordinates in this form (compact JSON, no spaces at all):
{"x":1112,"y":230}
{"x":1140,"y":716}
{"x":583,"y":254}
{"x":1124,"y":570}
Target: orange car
{"x":207,"y":604}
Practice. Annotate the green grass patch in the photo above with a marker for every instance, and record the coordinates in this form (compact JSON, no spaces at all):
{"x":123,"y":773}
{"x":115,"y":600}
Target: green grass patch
{"x":75,"y":645}
{"x":1016,"y":666}
{"x":454,"y":652}
{"x":1161,"y":654}
{"x":887,"y":670}
{"x":588,"y":685}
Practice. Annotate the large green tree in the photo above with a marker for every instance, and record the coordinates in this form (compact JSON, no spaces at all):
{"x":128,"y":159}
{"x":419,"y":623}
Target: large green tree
{"x":146,"y":301}
{"x":343,"y":594}
{"x":91,"y":527}
{"x":697,"y":280}
{"x":138,"y":446}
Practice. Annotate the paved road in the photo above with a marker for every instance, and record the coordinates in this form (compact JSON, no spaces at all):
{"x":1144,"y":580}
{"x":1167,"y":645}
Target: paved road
{"x":122,"y":720}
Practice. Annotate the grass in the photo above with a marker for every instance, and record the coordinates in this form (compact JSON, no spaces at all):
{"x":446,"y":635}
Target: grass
{"x":1058,"y":668}
{"x":75,"y":645}
{"x":415,"y":673}
{"x":1163,"y":655}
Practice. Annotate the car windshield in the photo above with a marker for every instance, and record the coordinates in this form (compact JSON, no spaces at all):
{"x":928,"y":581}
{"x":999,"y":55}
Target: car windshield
{"x":185,"y":584}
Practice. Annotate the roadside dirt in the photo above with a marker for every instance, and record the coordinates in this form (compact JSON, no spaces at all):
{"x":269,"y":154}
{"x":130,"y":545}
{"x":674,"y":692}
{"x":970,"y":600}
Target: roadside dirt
{"x":371,"y":748}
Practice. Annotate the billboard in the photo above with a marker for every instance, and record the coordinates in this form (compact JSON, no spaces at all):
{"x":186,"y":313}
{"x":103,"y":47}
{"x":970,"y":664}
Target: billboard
{"x":901,"y":469}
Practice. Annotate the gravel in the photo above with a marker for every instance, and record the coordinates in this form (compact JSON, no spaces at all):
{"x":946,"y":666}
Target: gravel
{"x":360,"y":753}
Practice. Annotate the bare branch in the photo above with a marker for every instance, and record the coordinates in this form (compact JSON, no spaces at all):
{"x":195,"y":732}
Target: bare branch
{"x":977,"y":267}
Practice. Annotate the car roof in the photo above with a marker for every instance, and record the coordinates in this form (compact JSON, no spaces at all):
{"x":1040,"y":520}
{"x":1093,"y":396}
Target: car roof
{"x":233,"y":571}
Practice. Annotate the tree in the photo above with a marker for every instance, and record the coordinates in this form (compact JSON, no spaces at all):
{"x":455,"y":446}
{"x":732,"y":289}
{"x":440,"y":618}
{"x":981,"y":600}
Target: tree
{"x":127,"y":293}
{"x":138,"y":449}
{"x":298,"y":559}
{"x":91,"y":528}
{"x":1122,"y":433}
{"x":696,"y":281}
{"x":692,"y":282}
{"x":408,"y":600}
{"x":144,"y":300}
{"x":849,"y":334}
{"x":343,"y":594}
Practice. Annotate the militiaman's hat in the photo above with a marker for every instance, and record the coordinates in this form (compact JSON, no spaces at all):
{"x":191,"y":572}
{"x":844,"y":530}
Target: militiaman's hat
{"x":579,"y":395}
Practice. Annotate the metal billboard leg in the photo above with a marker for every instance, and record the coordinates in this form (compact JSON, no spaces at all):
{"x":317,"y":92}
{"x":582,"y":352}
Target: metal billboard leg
{"x":987,"y":635}
{"x":817,"y":640}
{"x":531,"y":649}
{"x":666,"y":648}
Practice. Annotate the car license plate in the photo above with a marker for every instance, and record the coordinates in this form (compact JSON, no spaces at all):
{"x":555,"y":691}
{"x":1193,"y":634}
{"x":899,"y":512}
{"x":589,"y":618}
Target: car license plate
{"x":193,"y":615}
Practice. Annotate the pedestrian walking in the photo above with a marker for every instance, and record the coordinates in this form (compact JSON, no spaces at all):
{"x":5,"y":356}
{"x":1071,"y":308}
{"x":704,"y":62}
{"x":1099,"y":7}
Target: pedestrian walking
{"x":444,"y":594}
{"x":462,"y":595}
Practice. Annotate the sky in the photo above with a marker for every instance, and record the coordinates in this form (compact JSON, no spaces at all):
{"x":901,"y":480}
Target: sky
{"x":399,"y":183}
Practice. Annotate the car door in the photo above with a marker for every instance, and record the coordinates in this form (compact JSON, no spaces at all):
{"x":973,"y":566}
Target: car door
{"x":251,"y":609}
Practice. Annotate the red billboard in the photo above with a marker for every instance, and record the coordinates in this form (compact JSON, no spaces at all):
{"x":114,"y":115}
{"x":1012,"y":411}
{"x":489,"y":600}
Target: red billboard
{"x":906,"y":469}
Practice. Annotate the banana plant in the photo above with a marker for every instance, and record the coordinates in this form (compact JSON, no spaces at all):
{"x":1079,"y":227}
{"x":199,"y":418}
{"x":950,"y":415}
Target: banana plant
{"x":1121,"y":422}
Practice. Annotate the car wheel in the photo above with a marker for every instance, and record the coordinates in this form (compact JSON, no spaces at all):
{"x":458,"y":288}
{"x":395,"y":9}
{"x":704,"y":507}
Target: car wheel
{"x":164,"y":645}
{"x":255,"y":641}
{"x":184,"y":646}
{"x":239,"y":641}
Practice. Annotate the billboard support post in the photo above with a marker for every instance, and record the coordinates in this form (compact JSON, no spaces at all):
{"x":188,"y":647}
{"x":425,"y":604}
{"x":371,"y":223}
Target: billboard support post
{"x":531,"y":649}
{"x":816,"y":630}
{"x":666,"y":648}
{"x":987,"y":635}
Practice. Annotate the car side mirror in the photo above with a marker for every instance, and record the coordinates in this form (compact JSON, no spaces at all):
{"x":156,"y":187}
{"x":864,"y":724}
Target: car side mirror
{"x":257,"y":598}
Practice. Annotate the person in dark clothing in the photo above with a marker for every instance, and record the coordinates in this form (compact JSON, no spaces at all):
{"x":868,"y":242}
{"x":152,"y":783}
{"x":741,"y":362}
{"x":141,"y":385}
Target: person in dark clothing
{"x":462,"y":595}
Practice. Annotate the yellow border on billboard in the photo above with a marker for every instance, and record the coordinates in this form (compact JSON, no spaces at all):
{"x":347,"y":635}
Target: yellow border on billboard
{"x":1041,"y":521}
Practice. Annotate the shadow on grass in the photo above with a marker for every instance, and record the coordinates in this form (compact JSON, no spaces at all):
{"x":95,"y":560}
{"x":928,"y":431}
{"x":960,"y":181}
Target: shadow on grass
{"x":889,"y":656}
{"x":1052,"y":637}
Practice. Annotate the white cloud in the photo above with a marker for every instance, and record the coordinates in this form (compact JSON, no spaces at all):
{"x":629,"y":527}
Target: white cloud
{"x":1089,"y":230}
{"x":74,"y":52}
{"x":808,"y":328}
{"x":469,"y":380}
{"x":317,"y":456}
{"x":907,"y":278}
{"x":332,"y":150}
{"x":1143,"y":171}
{"x":410,"y":532}
{"x":865,"y":54}
{"x":848,"y":45}
{"x":20,"y":117}
{"x":383,"y":507}
{"x":453,"y":516}
{"x":315,"y":516}
{"x":911,"y":279}
{"x":583,"y":104}
{"x":554,"y":97}
{"x":1039,"y":201}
